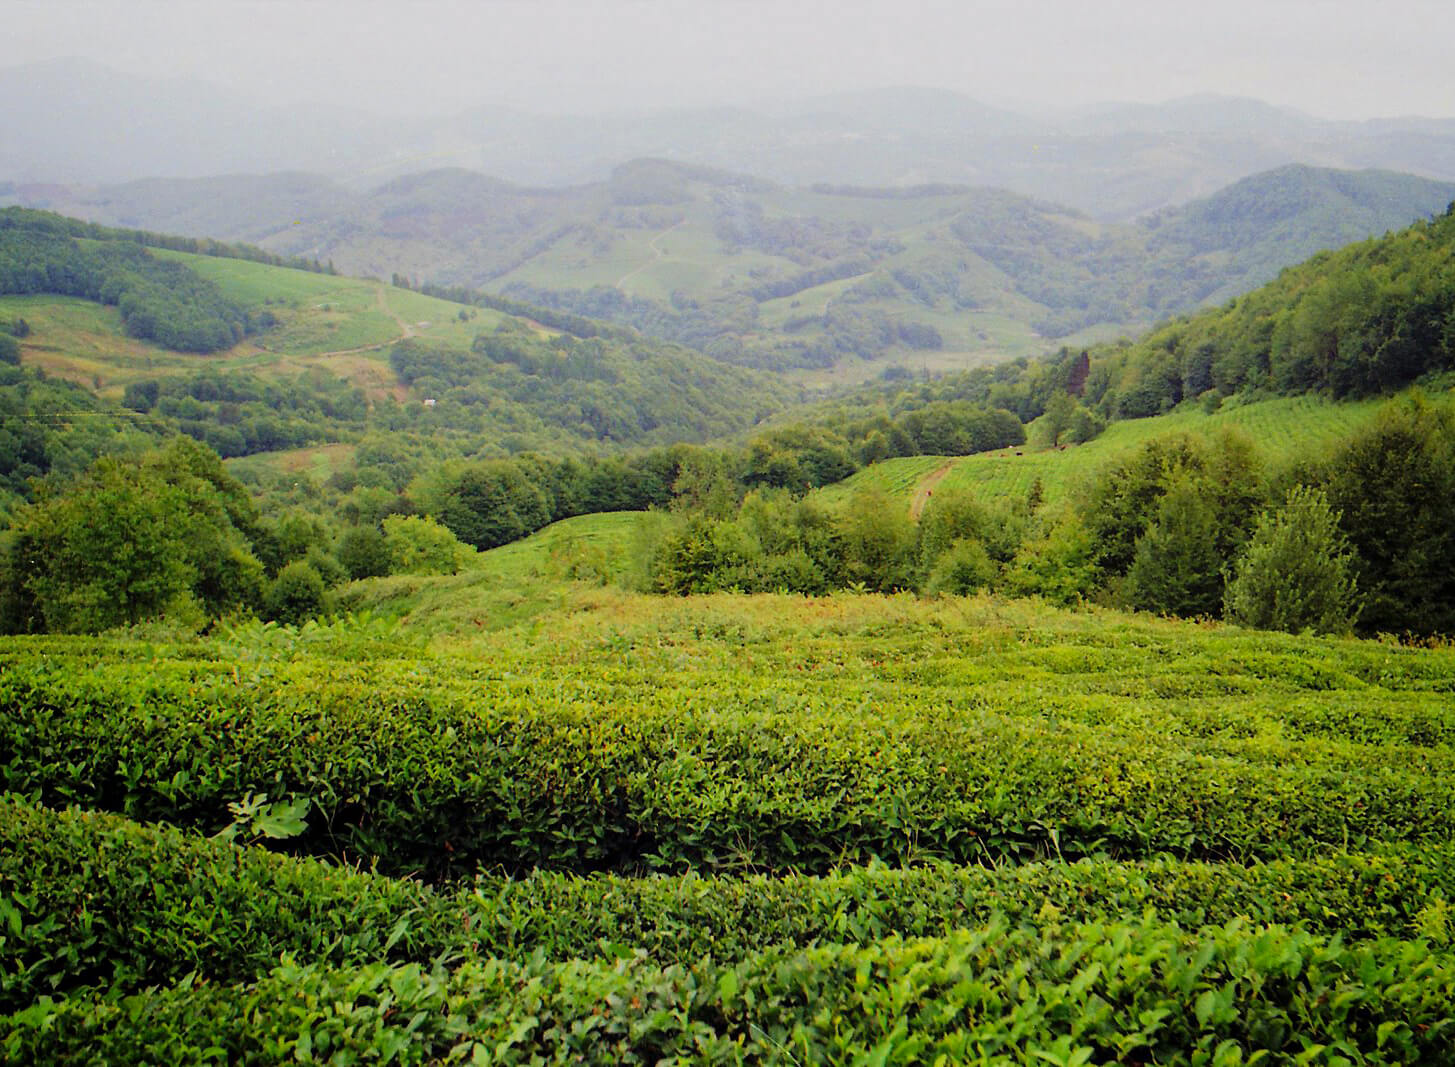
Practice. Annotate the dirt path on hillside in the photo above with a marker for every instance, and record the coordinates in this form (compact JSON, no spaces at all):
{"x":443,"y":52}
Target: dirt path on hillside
{"x":925,"y":489}
{"x":406,"y":331}
{"x":657,"y":255}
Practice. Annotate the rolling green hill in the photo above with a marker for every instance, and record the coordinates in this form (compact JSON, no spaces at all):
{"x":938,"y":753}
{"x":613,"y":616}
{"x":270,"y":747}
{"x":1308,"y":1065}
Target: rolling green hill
{"x":838,"y":280}
{"x":1281,"y":428}
{"x":340,"y":356}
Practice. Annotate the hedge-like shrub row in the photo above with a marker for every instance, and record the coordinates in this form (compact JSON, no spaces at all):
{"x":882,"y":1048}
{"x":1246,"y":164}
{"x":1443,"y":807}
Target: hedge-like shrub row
{"x":424,"y":771}
{"x":93,"y":901}
{"x":1064,"y":995}
{"x":96,"y":901}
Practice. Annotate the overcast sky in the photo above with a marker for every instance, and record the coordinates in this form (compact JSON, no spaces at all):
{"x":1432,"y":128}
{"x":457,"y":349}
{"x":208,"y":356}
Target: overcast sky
{"x":1332,"y":58}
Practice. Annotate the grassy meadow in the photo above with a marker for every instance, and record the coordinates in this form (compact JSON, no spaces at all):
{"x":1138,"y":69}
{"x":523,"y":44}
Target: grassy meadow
{"x":1281,"y":428}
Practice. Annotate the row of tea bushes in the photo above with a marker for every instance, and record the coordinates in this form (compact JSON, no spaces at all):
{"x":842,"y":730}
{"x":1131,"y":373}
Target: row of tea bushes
{"x":97,"y":902}
{"x":422,"y":771}
{"x":1063,"y":994}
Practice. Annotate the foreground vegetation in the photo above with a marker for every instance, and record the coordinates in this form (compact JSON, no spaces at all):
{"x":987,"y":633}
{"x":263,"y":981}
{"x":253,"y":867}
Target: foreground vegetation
{"x":769,"y":828}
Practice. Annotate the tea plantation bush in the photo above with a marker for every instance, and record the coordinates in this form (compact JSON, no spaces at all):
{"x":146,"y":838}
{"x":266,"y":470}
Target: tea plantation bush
{"x":1067,"y":994}
{"x":111,"y":905}
{"x":419,"y":770}
{"x":728,"y":829}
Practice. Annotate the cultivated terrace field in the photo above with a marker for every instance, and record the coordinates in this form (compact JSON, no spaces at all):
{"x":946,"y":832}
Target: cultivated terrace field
{"x":605,"y":827}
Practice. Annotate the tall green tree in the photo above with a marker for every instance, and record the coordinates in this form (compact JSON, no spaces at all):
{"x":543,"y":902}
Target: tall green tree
{"x":492,"y":503}
{"x":878,"y":542}
{"x":132,"y":540}
{"x":1297,"y":571}
{"x":419,"y":545}
{"x":1394,"y":486}
{"x":1176,"y":569}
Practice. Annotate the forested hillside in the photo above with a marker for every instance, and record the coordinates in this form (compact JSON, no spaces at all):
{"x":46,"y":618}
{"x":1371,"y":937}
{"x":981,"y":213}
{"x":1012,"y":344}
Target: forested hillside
{"x":526,"y":424}
{"x":159,"y":300}
{"x":306,"y":358}
{"x":1363,"y":319}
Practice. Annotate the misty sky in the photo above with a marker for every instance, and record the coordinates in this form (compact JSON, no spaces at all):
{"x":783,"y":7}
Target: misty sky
{"x":1332,"y":58}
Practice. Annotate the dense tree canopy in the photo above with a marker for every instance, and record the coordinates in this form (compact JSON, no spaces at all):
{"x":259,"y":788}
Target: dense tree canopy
{"x":159,"y":300}
{"x":166,"y":535}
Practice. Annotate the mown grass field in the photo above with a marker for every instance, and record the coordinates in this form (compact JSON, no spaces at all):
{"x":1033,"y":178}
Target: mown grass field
{"x":327,"y":313}
{"x":610,"y":538}
{"x":590,"y":825}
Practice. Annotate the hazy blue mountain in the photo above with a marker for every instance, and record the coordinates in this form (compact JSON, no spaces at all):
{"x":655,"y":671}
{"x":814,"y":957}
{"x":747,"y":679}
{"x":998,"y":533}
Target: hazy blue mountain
{"x":74,"y":122}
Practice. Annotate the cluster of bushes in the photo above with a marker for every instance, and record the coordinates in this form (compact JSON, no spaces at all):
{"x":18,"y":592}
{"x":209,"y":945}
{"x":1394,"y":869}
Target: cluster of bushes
{"x":240,"y":414}
{"x":36,"y":441}
{"x":776,"y":542}
{"x":170,"y":534}
{"x":159,"y":300}
{"x":1363,"y":538}
{"x":11,"y":332}
{"x":306,"y":559}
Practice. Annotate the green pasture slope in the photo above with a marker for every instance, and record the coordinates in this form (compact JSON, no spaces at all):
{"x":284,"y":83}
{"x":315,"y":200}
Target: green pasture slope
{"x":339,"y":324}
{"x":322,"y":313}
{"x":1279,"y":429}
{"x":768,"y":829}
{"x":514,"y":583}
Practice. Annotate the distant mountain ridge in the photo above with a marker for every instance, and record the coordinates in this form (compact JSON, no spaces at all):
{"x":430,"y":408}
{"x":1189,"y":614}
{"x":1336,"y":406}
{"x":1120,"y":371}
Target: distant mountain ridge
{"x":73,"y":122}
{"x":771,"y":275}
